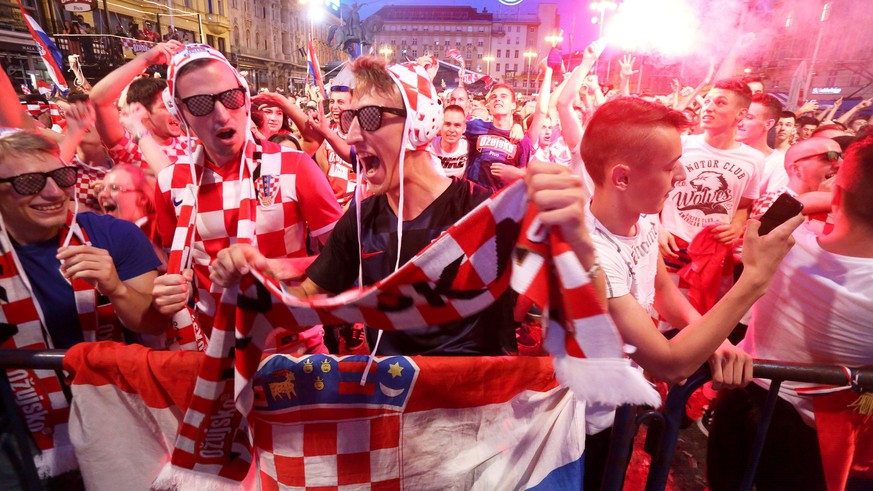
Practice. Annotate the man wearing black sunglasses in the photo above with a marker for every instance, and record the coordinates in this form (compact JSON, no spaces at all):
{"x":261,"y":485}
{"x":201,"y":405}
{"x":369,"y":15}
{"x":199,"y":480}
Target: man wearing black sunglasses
{"x":65,"y":278}
{"x":246,"y":190}
{"x":391,"y":132}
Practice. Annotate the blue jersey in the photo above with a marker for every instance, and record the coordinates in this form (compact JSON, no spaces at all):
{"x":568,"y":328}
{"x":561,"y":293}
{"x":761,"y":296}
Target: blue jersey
{"x":129,"y":248}
{"x":488,"y":144}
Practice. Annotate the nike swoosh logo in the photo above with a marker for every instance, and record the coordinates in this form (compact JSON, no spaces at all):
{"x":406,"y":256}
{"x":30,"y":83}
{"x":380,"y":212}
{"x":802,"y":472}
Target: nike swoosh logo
{"x":177,"y":202}
{"x":367,"y":255}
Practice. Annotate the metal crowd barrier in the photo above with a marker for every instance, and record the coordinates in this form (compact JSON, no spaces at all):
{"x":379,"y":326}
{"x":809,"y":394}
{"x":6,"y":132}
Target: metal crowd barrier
{"x":628,"y":419}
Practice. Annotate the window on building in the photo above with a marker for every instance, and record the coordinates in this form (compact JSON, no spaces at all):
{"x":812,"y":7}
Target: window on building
{"x":459,"y":28}
{"x":524,"y":83}
{"x":469,"y":56}
{"x":499,"y":53}
{"x":517,"y":41}
{"x":515,"y":66}
{"x":497,"y":67}
{"x":512,"y":83}
{"x":415,"y":53}
{"x":210,"y":39}
{"x":457,"y":44}
{"x":479,"y":56}
{"x":222,"y":46}
{"x":480,"y":43}
{"x":220,"y":7}
{"x":481,"y":28}
{"x":188,"y":3}
{"x":209,"y":6}
{"x":402,"y":28}
{"x":393,"y":42}
{"x":516,"y":53}
{"x":530,"y":29}
{"x":414,"y":41}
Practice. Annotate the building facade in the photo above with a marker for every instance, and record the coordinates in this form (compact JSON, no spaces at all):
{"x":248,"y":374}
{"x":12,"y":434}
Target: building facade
{"x":490,"y":43}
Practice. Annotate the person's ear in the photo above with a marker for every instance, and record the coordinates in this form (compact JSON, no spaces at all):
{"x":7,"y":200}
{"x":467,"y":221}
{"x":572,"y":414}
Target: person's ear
{"x":619,"y":176}
{"x":770,"y":124}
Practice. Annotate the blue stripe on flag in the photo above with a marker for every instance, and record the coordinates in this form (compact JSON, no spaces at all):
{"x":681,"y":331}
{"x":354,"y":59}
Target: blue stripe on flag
{"x":568,"y":476}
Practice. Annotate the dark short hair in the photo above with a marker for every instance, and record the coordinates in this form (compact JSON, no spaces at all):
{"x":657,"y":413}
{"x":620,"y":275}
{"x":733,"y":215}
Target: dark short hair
{"x":858,"y":184}
{"x":770,"y":103}
{"x":736,"y":86}
{"x":620,"y":130}
{"x":78,"y":97}
{"x":280,"y":138}
{"x":788,"y":114}
{"x":456,"y":108}
{"x":805,"y":120}
{"x":146,"y":91}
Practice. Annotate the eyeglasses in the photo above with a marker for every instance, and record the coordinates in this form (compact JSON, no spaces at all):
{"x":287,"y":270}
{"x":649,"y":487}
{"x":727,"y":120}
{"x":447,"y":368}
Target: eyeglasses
{"x":340,"y":88}
{"x":113,"y":189}
{"x":203,"y":104}
{"x":831,"y":156}
{"x":34,"y":182}
{"x":369,"y":117}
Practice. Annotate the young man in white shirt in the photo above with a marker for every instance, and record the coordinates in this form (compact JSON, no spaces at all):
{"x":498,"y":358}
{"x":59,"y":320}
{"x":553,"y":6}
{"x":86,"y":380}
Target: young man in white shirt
{"x":632,"y":150}
{"x":817,"y":310}
{"x":451,"y":146}
{"x":753,"y":129}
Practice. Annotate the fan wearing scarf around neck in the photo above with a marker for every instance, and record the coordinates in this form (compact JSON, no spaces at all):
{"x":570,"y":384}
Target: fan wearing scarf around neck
{"x":231,"y":189}
{"x":394,"y":115}
{"x":65,"y":278}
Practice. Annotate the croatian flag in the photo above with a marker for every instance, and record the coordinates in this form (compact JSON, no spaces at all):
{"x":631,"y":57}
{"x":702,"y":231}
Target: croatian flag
{"x":315,"y":68}
{"x":416,"y":423}
{"x":50,"y":53}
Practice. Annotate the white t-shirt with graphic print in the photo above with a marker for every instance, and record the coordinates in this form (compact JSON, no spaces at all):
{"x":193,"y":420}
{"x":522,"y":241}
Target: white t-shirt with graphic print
{"x":716,"y":180}
{"x":629,"y":263}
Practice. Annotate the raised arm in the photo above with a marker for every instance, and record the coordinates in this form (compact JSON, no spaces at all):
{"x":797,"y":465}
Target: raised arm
{"x":626,"y":64}
{"x":11,"y":113}
{"x":542,"y":108}
{"x":683,"y":103}
{"x":845,"y":118}
{"x":571,"y":128}
{"x":312,"y":139}
{"x":105,"y":94}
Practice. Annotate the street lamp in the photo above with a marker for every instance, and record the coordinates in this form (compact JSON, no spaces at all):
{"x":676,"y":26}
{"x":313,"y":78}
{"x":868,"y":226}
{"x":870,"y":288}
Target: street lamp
{"x":530,"y":55}
{"x":385,"y":51}
{"x":554,"y":39}
{"x":488,"y":59}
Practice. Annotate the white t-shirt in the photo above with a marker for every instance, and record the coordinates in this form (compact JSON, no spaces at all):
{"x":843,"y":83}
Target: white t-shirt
{"x":629,"y":263}
{"x":455,"y":163}
{"x":773,"y":175}
{"x":817,"y":310}
{"x":716,"y":180}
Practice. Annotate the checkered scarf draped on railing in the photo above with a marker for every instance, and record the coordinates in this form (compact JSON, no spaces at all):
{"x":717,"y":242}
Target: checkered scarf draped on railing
{"x":457,"y":275}
{"x":40,"y":399}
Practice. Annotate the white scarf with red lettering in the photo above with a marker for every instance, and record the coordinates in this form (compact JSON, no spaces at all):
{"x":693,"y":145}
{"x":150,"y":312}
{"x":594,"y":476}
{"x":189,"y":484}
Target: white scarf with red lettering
{"x":41,"y":401}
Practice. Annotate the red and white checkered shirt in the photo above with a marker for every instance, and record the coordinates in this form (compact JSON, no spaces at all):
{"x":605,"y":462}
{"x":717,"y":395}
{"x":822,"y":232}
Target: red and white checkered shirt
{"x":128,"y":152}
{"x":292,"y":193}
{"x":340,"y":173}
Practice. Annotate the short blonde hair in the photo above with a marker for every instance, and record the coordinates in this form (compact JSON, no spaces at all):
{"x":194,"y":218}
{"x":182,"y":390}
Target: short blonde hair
{"x":24,"y":143}
{"x":371,"y":75}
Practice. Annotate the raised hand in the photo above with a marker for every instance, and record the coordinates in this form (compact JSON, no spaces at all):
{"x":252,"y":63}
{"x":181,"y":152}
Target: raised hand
{"x":626,"y":63}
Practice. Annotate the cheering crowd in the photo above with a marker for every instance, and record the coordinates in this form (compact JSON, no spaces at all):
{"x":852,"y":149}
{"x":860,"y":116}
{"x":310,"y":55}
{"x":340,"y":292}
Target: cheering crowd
{"x":160,"y":193}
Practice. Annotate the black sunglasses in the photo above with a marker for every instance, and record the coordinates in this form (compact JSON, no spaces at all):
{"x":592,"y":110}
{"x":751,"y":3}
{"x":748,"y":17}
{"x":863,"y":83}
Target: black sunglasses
{"x":369,"y":117}
{"x":203,"y":104}
{"x":34,"y":182}
{"x":831,"y":156}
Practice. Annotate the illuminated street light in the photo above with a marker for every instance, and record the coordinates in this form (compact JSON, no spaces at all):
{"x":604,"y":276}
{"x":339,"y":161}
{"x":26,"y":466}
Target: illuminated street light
{"x":385,"y":51}
{"x":554,"y":39}
{"x":530,"y":55}
{"x":488,"y":59}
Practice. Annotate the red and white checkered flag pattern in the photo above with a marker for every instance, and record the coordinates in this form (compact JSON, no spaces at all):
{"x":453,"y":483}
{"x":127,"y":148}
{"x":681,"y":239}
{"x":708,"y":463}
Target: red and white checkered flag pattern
{"x":457,"y":275}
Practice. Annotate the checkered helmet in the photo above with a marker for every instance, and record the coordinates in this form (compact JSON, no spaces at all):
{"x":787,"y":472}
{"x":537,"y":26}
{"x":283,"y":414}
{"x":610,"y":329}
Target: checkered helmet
{"x":424,"y":108}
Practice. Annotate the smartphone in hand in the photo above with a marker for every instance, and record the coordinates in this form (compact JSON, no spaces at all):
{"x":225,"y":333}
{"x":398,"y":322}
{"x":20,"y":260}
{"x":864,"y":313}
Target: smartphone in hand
{"x":785,"y":207}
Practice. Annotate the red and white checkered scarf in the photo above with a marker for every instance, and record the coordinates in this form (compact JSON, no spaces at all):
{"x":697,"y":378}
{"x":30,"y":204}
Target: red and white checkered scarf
{"x":457,"y":275}
{"x":41,"y":400}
